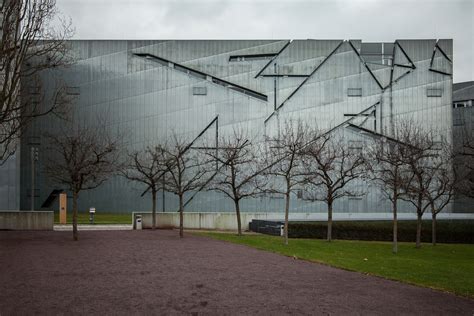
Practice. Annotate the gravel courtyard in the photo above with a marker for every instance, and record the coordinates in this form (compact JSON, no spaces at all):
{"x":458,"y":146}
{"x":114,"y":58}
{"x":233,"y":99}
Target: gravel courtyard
{"x":154,"y":272}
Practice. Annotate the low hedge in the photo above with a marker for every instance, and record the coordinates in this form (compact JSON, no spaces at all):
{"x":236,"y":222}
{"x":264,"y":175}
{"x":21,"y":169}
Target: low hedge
{"x":448,"y":231}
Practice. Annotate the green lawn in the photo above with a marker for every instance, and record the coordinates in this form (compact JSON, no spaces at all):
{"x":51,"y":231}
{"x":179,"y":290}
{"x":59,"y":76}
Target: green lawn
{"x":100,"y":218}
{"x":448,"y":267}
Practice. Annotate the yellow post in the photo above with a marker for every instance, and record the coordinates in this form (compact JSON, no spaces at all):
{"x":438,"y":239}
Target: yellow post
{"x":62,"y":207}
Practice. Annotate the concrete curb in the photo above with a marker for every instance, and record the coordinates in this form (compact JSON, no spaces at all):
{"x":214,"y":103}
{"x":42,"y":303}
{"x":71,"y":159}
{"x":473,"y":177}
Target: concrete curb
{"x":93,"y":227}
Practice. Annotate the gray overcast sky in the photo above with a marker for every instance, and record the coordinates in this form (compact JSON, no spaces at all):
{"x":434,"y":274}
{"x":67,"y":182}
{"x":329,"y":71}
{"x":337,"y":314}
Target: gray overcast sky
{"x":369,"y":20}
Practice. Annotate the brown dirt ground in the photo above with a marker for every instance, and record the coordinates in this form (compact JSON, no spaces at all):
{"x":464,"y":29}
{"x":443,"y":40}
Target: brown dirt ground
{"x":154,"y":272}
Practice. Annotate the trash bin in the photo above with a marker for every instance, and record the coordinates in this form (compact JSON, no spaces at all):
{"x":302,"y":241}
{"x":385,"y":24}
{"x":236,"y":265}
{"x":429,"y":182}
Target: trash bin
{"x":91,"y":215}
{"x":138,"y":222}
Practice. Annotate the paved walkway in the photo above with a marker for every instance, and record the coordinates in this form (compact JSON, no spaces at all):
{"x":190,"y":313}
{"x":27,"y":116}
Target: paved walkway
{"x":156,"y":272}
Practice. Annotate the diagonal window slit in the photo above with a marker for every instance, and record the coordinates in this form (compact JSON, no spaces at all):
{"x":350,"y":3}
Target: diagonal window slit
{"x":202,"y":75}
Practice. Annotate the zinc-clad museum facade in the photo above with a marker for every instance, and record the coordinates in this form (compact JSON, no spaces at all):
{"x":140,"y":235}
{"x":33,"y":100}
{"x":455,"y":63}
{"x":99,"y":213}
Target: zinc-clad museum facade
{"x":151,"y":88}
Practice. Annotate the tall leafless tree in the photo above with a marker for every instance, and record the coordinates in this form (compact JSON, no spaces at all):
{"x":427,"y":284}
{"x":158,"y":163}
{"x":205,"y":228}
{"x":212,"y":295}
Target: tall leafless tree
{"x":238,"y":172}
{"x":82,"y":158}
{"x":185,"y":171}
{"x":386,"y":166}
{"x":420,"y":151}
{"x":30,"y":42}
{"x":331,"y":166}
{"x":285,"y":161}
{"x":147,"y":167}
{"x":464,"y":161}
{"x":441,"y":182}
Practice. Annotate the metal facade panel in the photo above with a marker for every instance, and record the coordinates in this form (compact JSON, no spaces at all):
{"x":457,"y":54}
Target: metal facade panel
{"x":149,"y":100}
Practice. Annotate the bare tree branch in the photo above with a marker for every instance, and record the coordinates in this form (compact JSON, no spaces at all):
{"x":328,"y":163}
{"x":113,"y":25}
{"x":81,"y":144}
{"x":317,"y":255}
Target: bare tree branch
{"x":147,"y":167}
{"x":330,"y":167}
{"x":285,"y":161}
{"x":440,"y":182}
{"x":238,"y":176}
{"x":418,"y":158}
{"x":29,"y":44}
{"x":185,"y":171}
{"x":81,"y":159}
{"x":464,"y":162}
{"x":386,"y":166}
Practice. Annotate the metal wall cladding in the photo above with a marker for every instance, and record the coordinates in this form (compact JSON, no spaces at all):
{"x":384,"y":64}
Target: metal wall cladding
{"x":463,"y":128}
{"x":149,"y":100}
{"x":9,"y":183}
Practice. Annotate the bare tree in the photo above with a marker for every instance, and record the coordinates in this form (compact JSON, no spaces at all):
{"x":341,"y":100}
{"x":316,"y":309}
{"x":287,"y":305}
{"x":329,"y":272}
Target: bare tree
{"x":238,"y":175}
{"x":331,"y":167}
{"x":29,"y":44}
{"x":464,"y":161}
{"x":185,"y":171}
{"x":441,"y":181}
{"x":285,"y":161}
{"x":81,"y":158}
{"x":386,"y":166}
{"x":420,"y":149}
{"x":147,"y":167}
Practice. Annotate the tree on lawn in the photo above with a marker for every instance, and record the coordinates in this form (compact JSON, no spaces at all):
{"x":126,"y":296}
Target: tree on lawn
{"x":185,"y":171}
{"x":284,"y":161}
{"x":29,"y":44}
{"x":238,"y":175}
{"x":147,"y":167}
{"x":464,"y":162}
{"x":331,"y":166}
{"x":442,"y":180}
{"x":418,"y":157}
{"x":386,"y":166}
{"x":82,"y":158}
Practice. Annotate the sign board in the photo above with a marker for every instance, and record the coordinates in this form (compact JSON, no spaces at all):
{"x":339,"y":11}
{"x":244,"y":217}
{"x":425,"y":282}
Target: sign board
{"x":62,"y":208}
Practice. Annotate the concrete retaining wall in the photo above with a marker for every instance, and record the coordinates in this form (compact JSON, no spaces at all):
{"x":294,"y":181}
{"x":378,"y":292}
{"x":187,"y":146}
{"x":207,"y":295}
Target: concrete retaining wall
{"x":228,"y":221}
{"x":26,"y":220}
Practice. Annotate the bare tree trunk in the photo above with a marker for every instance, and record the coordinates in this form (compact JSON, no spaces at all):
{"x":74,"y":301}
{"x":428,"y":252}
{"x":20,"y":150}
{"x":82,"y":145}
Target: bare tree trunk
{"x":237,"y":213}
{"x":395,"y":225}
{"x":74,"y":216}
{"x":419,"y":214}
{"x":418,"y":230}
{"x":153,"y":211}
{"x":329,"y":237}
{"x":287,"y":211}
{"x":433,"y":228}
{"x":181,"y":210}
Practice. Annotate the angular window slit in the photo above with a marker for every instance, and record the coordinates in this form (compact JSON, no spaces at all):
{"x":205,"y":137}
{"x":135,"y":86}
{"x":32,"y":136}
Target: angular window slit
{"x":199,"y":91}
{"x":251,"y":57}
{"x":430,"y":92}
{"x":201,"y":75}
{"x":354,"y":92}
{"x":73,"y":90}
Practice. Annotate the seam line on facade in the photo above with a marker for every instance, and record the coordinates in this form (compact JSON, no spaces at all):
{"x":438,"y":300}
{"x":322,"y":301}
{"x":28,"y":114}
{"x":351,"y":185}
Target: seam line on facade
{"x":365,"y":65}
{"x":274,"y":57}
{"x":304,"y":81}
{"x":437,"y":48}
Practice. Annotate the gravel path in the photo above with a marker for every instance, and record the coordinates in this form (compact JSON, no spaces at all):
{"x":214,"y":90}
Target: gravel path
{"x":154,"y":272}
